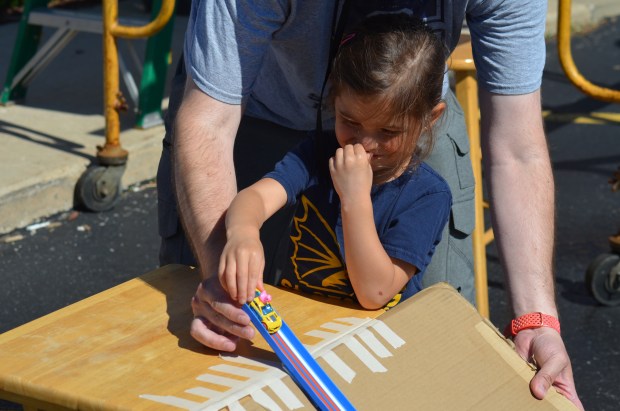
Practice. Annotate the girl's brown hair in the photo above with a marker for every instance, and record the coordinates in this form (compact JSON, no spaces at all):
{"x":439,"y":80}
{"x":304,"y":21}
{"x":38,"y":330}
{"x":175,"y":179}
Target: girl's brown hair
{"x":399,"y":62}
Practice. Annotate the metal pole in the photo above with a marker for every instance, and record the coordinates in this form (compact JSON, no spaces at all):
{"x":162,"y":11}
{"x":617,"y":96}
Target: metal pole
{"x":568,"y":64}
{"x":112,"y":153}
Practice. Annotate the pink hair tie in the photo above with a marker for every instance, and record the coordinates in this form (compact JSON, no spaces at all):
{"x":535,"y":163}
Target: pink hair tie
{"x":347,"y":38}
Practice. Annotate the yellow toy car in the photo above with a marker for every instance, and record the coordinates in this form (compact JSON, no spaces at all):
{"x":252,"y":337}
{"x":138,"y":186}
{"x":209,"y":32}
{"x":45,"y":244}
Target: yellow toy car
{"x":269,"y":317}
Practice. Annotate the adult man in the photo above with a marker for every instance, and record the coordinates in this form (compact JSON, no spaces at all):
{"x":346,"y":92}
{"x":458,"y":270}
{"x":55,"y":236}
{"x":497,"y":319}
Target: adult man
{"x":268,"y":61}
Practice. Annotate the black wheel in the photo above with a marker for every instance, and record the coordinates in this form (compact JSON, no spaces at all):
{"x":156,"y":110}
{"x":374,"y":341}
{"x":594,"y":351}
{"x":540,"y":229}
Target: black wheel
{"x":603,"y":279}
{"x":99,"y":188}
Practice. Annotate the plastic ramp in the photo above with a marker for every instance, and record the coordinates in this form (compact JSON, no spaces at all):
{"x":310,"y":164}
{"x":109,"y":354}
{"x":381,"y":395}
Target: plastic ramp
{"x":299,"y":364}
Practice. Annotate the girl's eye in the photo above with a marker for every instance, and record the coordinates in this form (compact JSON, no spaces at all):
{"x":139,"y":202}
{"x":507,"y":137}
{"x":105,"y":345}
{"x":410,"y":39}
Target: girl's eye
{"x":390,"y":133}
{"x":351,"y":122}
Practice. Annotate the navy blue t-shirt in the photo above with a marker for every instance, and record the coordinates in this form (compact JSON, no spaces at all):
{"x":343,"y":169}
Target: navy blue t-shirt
{"x":410,"y":213}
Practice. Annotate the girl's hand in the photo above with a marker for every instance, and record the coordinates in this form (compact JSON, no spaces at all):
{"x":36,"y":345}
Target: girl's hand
{"x":241,"y":265}
{"x":351,"y":172}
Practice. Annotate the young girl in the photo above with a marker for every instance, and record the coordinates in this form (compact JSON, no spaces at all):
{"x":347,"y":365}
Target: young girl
{"x":369,"y":211}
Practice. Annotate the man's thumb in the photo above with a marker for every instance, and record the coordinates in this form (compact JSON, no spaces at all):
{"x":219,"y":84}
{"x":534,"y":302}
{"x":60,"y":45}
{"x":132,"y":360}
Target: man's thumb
{"x":540,"y":384}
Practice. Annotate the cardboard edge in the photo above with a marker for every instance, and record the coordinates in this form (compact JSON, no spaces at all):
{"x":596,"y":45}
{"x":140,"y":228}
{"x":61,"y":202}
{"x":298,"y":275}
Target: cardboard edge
{"x":508,"y":352}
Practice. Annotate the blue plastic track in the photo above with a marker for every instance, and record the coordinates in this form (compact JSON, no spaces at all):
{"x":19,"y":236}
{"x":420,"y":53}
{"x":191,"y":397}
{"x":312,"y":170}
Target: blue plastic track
{"x":301,"y":366}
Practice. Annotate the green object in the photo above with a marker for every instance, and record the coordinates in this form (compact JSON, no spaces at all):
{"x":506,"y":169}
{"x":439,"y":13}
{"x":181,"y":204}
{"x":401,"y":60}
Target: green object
{"x":28,"y":59}
{"x":156,"y":61}
{"x":26,"y":44}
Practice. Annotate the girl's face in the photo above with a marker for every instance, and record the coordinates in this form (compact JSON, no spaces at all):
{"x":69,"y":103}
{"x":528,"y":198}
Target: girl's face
{"x":359,"y":121}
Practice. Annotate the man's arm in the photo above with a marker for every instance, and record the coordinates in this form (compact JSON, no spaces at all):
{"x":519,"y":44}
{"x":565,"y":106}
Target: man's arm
{"x":518,"y":168}
{"x":204,"y":174}
{"x":520,"y":181}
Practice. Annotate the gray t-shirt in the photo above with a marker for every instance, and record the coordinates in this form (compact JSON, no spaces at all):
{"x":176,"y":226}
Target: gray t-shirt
{"x":271,"y":55}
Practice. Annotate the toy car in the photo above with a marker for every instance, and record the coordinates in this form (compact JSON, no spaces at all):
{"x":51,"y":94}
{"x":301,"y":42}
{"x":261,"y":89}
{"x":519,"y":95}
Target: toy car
{"x":269,"y":317}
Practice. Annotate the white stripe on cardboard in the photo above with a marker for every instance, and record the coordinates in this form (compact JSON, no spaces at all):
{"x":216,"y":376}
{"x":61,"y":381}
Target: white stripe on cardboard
{"x":387,"y":333}
{"x":339,"y":366}
{"x":205,"y":392}
{"x":263,"y":399}
{"x":219,"y":380}
{"x":324,"y":335}
{"x":364,"y":355}
{"x":373,"y":343}
{"x":235,"y":406}
{"x":287,"y":396}
{"x":336,"y":327}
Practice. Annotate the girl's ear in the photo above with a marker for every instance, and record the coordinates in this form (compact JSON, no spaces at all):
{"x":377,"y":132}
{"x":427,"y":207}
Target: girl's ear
{"x":437,"y":112}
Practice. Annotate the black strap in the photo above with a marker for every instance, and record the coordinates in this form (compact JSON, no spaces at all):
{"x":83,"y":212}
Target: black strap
{"x":338,"y":24}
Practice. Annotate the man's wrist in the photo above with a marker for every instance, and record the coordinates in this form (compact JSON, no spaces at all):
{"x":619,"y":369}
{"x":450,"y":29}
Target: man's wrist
{"x":530,"y":321}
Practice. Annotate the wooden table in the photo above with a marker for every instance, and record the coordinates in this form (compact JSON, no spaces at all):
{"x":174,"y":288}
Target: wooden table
{"x":129,"y":348}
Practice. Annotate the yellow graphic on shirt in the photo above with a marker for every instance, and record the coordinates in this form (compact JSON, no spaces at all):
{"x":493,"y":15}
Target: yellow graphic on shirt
{"x":394,"y":301}
{"x":316,"y":255}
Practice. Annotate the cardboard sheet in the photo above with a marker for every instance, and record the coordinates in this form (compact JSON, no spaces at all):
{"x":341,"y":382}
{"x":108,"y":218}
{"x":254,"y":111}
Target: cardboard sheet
{"x":433,"y":352}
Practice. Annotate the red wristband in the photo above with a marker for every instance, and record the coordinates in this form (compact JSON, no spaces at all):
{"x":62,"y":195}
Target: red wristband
{"x":531,"y":320}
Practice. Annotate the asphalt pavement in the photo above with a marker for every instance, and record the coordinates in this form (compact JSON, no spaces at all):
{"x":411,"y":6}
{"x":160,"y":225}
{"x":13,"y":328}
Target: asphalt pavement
{"x":71,"y":255}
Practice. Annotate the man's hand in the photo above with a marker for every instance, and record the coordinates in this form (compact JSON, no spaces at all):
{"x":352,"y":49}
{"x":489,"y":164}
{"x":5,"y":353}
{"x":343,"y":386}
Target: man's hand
{"x":351,"y":171}
{"x":218,"y":321}
{"x":544,"y":347}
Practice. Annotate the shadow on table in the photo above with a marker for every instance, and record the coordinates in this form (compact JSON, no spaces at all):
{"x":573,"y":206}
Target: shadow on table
{"x":178,"y":283}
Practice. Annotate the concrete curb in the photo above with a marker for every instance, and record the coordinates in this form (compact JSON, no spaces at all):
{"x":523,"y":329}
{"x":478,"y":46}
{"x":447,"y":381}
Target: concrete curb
{"x":50,"y":190}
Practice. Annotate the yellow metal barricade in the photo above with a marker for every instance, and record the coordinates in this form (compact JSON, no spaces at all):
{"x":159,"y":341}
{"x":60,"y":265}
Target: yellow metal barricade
{"x":99,"y":187}
{"x":111,"y":153}
{"x":568,"y":64}
{"x":466,"y":90}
